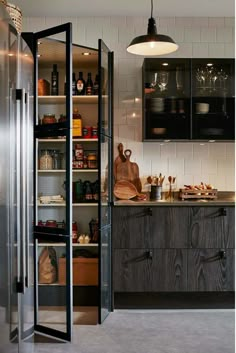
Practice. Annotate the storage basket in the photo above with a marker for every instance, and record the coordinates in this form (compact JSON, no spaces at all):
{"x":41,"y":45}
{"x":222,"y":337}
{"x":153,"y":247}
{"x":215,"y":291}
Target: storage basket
{"x":85,"y":271}
{"x":16,"y":15}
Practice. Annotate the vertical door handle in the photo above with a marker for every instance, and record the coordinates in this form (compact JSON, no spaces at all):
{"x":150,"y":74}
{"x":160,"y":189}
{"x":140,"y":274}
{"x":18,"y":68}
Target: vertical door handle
{"x":27,"y":181}
{"x":21,"y":127}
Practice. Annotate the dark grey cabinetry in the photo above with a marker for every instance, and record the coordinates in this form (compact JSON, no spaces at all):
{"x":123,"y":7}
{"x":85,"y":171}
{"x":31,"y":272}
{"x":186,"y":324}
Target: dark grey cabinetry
{"x":173,"y":249}
{"x":211,"y":258}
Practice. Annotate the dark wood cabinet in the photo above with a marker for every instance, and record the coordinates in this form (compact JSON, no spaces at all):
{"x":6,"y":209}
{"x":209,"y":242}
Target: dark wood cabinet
{"x":173,"y":249}
{"x":212,"y":227}
{"x":188,"y":99}
{"x":150,"y":270}
{"x":210,"y":270}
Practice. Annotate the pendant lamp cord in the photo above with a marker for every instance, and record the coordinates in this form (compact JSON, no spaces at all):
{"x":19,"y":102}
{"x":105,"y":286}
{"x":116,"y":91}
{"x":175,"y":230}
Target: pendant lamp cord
{"x":151,"y":7}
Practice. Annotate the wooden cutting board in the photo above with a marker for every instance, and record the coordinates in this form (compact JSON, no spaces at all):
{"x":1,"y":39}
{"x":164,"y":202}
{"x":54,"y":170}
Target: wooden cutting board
{"x":119,"y":159}
{"x":129,"y":171}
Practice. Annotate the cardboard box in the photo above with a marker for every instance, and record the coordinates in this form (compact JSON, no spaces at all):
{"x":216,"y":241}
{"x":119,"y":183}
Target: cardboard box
{"x":85,"y":271}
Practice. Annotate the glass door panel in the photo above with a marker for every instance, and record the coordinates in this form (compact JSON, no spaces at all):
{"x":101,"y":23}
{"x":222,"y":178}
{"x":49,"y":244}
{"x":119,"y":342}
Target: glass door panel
{"x":105,"y":133}
{"x":213,"y":107}
{"x":166,"y":94}
{"x":53,"y":181}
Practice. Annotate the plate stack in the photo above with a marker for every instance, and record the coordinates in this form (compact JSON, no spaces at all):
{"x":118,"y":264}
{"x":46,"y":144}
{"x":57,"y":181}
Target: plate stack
{"x":157,"y":105}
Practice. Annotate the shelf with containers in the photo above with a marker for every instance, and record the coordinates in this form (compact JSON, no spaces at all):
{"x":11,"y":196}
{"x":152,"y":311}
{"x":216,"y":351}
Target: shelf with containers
{"x":188,"y":99}
{"x":70,"y":175}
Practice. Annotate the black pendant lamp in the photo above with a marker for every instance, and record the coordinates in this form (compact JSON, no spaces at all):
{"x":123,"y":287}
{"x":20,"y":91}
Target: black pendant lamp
{"x":152,"y":43}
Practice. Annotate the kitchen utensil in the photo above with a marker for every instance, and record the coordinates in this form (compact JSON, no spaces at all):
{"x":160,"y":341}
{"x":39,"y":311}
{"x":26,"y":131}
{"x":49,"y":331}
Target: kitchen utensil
{"x":125,"y":190}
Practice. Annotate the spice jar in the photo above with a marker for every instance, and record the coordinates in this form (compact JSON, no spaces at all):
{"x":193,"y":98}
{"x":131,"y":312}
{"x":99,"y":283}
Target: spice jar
{"x":94,"y":134}
{"x":49,"y":119}
{"x":45,"y":161}
{"x":77,"y":124}
{"x":87,"y":132}
{"x":92,"y":161}
{"x":79,"y":152}
{"x":74,"y":232}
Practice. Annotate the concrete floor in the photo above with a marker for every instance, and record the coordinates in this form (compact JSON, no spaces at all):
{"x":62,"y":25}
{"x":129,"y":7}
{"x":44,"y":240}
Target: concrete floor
{"x":153,"y":331}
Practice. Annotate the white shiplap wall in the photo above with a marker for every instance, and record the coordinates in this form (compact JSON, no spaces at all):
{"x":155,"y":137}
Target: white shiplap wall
{"x":197,"y":37}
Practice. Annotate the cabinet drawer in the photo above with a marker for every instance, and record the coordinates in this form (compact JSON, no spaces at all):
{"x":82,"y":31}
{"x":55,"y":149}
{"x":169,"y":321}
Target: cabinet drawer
{"x":210,"y":270}
{"x":169,"y":227}
{"x":212,"y":227}
{"x":150,"y":270}
{"x":131,"y":227}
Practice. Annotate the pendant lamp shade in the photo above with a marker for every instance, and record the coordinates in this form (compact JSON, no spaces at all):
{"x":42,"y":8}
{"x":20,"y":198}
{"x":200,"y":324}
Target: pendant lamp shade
{"x":152,"y":43}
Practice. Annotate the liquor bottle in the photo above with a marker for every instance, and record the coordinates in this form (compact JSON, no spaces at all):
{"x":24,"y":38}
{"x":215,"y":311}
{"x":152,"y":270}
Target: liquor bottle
{"x":54,"y":81}
{"x":80,"y":85}
{"x":89,"y":85}
{"x":74,"y":89}
{"x":96,"y":86}
{"x":76,"y":124}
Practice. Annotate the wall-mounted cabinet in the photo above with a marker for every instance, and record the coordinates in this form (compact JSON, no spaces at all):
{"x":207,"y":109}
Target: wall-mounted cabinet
{"x":188,"y":99}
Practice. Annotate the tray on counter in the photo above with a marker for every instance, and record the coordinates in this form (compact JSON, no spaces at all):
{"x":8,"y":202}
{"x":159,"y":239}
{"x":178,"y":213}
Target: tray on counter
{"x":187,"y":194}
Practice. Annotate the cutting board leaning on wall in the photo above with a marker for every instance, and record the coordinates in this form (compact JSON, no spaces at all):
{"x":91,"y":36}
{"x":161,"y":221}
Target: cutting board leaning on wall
{"x":124,"y":169}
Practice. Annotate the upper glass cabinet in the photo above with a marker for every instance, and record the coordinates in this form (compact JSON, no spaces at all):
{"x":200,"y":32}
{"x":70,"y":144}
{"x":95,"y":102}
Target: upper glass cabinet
{"x":166,"y":98}
{"x":186,"y":99}
{"x":213,"y":99}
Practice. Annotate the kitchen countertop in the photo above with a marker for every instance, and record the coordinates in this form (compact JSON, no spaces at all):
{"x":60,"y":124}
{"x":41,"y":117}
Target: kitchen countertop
{"x":224,"y":198}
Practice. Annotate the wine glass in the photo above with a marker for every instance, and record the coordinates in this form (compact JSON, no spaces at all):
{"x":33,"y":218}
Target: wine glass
{"x":162,"y":80}
{"x":179,"y":76}
{"x":154,"y":80}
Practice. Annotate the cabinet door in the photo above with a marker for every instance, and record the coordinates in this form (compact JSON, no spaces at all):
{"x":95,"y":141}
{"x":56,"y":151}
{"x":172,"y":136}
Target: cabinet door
{"x":53,"y":186}
{"x":212,"y":227}
{"x":169,"y":226}
{"x":166,"y":87}
{"x":210,"y":270}
{"x":213,"y":99}
{"x":150,"y":270}
{"x":131,"y":227}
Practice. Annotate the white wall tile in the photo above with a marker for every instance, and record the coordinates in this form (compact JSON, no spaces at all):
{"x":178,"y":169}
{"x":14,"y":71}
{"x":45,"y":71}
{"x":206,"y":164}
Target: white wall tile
{"x":36,"y":24}
{"x":175,"y":166}
{"x":159,"y":166}
{"x":102,"y":21}
{"x":118,"y":21}
{"x":216,"y":21}
{"x":200,"y":151}
{"x":110,"y":34}
{"x":166,"y":21}
{"x":225,"y":167}
{"x":216,"y":50}
{"x":151,"y":150}
{"x":184,"y":150}
{"x":52,"y":21}
{"x":200,"y":50}
{"x":183,"y":21}
{"x":229,"y":182}
{"x":177,"y":33}
{"x":229,"y":21}
{"x":209,"y":166}
{"x":125,"y":134}
{"x":230,"y":150}
{"x":229,"y":50}
{"x":200,"y":22}
{"x":185,"y":51}
{"x":192,"y":166}
{"x":192,"y":34}
{"x":217,"y":150}
{"x":208,"y":35}
{"x":168,"y":150}
{"x":224,"y":35}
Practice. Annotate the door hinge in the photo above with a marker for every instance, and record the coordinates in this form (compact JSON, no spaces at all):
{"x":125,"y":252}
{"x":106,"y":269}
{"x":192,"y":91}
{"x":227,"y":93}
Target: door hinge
{"x":18,"y":94}
{"x":19,"y":287}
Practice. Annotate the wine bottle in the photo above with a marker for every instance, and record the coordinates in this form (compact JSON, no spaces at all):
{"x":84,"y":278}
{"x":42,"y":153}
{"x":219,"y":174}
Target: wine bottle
{"x":89,"y":85}
{"x":80,"y":85}
{"x":74,"y":88}
{"x":54,"y":81}
{"x":96,"y":85}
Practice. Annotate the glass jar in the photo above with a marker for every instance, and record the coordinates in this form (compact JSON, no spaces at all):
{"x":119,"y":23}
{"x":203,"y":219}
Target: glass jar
{"x":56,"y":156}
{"x":45,"y":161}
{"x":49,"y":119}
{"x":92,"y":161}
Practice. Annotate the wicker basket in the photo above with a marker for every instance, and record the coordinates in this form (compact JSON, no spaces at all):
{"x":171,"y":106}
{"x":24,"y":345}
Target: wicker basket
{"x":15,"y":14}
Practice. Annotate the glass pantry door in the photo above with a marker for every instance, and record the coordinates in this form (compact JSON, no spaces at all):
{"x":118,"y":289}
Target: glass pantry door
{"x":53,"y":191}
{"x":105,"y":167}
